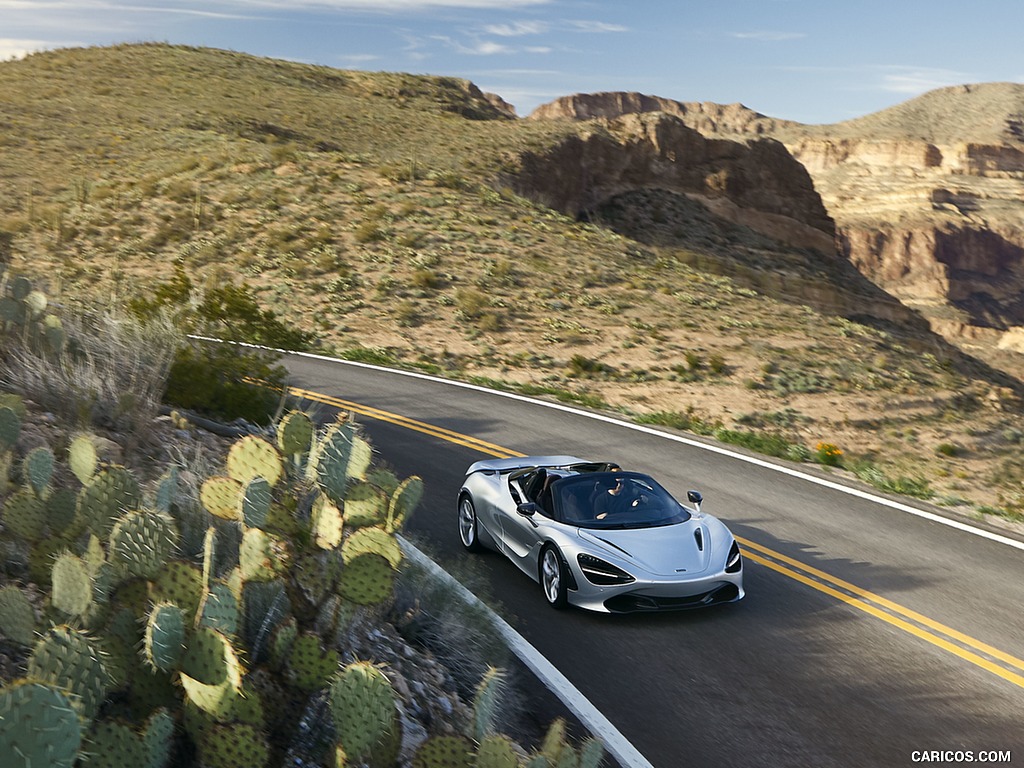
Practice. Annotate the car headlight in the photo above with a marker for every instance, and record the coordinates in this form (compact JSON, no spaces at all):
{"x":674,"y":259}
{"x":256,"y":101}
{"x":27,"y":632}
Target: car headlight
{"x":733,"y":562}
{"x":601,"y":573}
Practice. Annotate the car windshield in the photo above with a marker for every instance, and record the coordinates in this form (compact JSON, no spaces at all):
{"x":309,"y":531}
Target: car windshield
{"x":615,"y":500}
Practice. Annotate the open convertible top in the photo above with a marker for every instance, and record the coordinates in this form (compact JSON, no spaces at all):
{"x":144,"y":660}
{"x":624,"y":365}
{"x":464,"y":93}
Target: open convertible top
{"x":522,"y":462}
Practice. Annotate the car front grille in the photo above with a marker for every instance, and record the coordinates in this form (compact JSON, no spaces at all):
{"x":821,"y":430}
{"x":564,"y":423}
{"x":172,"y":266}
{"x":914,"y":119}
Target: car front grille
{"x":634,"y":603}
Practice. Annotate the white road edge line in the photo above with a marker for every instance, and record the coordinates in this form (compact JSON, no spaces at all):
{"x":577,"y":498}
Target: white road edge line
{"x":658,"y":433}
{"x":599,"y":726}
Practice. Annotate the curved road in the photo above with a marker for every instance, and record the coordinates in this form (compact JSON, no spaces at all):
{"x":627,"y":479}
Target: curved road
{"x":868,"y":634}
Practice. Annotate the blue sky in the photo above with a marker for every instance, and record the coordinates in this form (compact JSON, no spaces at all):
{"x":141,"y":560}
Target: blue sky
{"x":816,"y":62}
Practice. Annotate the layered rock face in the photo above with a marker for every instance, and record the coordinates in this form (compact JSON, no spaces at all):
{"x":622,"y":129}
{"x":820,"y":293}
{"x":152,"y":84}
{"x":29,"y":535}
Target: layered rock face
{"x":741,"y":206}
{"x":927,"y":197}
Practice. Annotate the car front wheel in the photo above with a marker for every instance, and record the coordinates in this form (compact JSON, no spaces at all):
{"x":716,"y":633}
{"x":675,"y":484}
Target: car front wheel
{"x":468,"y":527}
{"x":553,"y":578}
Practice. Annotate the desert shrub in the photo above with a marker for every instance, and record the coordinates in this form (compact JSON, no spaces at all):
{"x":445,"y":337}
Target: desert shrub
{"x":224,"y":381}
{"x":580,"y":365}
{"x":111,"y":372}
{"x":768,"y":443}
{"x":218,"y":380}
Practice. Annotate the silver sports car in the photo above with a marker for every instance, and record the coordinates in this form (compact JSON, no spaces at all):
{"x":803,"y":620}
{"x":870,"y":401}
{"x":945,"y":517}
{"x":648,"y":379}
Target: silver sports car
{"x":599,"y":537}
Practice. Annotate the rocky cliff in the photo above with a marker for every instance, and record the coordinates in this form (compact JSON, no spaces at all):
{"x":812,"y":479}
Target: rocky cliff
{"x":927,"y":197}
{"x":741,"y":206}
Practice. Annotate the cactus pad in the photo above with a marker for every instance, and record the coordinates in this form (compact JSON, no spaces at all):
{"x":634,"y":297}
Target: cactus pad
{"x":327,"y":523}
{"x":367,"y":580}
{"x":67,"y":658}
{"x":295,"y":433}
{"x":180,"y":583}
{"x":233,"y":746}
{"x":255,"y":502}
{"x":365,"y":505}
{"x":24,"y":514}
{"x":375,"y":541}
{"x":281,"y":641}
{"x":38,"y":727}
{"x":166,"y":489}
{"x":340,"y":455}
{"x":17,"y":618}
{"x":220,"y":496}
{"x":60,"y":510}
{"x":363,"y":708}
{"x":496,"y":751}
{"x":252,"y":457}
{"x":72,"y":585}
{"x":10,"y":427}
{"x":164,"y":641}
{"x":107,"y":496}
{"x":113,"y":745}
{"x":219,"y":610}
{"x":37,"y":469}
{"x":261,"y":556}
{"x":158,"y":738}
{"x":143,"y":541}
{"x":82,"y":458}
{"x":210,"y":659}
{"x":486,"y":702}
{"x":309,"y":665}
{"x":444,"y":752}
{"x":403,"y":501}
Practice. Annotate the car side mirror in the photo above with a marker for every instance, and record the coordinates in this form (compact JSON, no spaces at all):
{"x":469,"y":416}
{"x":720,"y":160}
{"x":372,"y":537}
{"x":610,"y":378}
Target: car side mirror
{"x":527,"y":509}
{"x":695,"y":498}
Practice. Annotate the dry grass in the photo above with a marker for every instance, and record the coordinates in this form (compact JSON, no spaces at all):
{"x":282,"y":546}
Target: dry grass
{"x":363,"y":207}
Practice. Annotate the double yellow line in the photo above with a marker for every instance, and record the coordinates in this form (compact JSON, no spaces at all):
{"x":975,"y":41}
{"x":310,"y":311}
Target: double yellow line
{"x":948,"y":639}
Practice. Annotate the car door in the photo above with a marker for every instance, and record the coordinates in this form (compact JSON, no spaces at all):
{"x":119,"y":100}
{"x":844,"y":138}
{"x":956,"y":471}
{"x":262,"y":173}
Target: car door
{"x":520,"y":534}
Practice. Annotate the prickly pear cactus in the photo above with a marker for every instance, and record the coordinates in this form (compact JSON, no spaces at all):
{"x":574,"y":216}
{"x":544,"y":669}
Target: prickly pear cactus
{"x":310,"y":665}
{"x":221,"y":497}
{"x":24,"y":514}
{"x":68,"y":658}
{"x":38,"y":726}
{"x":496,"y":751}
{"x":10,"y":427}
{"x":403,"y":501}
{"x":365,"y":504}
{"x":255,"y":502}
{"x":367,"y":580}
{"x":143,"y":541}
{"x":341,"y":455}
{"x":252,"y":457}
{"x":444,"y":752}
{"x":375,"y":541}
{"x":37,"y":468}
{"x":363,"y":708}
{"x":108,"y":495}
{"x":486,"y":702}
{"x":165,"y":637}
{"x":295,"y":433}
{"x":17,"y":617}
{"x":82,"y":458}
{"x":72,"y":585}
{"x":233,"y":746}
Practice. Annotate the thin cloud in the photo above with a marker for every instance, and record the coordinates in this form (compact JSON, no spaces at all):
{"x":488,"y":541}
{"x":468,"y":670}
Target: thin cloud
{"x":517,"y":29}
{"x":474,"y":48}
{"x":914,"y":80}
{"x":769,"y":36}
{"x":599,"y":27}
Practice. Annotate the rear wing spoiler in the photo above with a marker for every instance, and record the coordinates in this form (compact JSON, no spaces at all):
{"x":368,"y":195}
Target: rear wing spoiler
{"x":519,"y":464}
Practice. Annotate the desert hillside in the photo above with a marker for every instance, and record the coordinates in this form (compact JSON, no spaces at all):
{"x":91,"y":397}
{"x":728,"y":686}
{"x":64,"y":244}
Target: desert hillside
{"x":625,"y":262}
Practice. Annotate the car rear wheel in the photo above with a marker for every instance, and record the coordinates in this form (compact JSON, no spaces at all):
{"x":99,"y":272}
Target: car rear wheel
{"x":468,"y":527}
{"x":553,"y":578}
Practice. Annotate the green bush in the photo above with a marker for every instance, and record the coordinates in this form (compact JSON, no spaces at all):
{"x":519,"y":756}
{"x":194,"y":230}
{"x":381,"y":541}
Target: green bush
{"x":218,"y":380}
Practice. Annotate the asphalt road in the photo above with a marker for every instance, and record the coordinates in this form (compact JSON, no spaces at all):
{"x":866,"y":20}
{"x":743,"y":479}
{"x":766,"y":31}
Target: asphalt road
{"x":799,"y":673}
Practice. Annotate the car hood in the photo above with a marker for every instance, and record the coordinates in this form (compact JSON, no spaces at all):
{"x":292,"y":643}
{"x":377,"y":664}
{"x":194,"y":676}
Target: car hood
{"x":666,"y":550}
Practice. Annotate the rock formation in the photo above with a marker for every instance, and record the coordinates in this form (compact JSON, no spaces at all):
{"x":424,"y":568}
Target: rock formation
{"x":927,"y":197}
